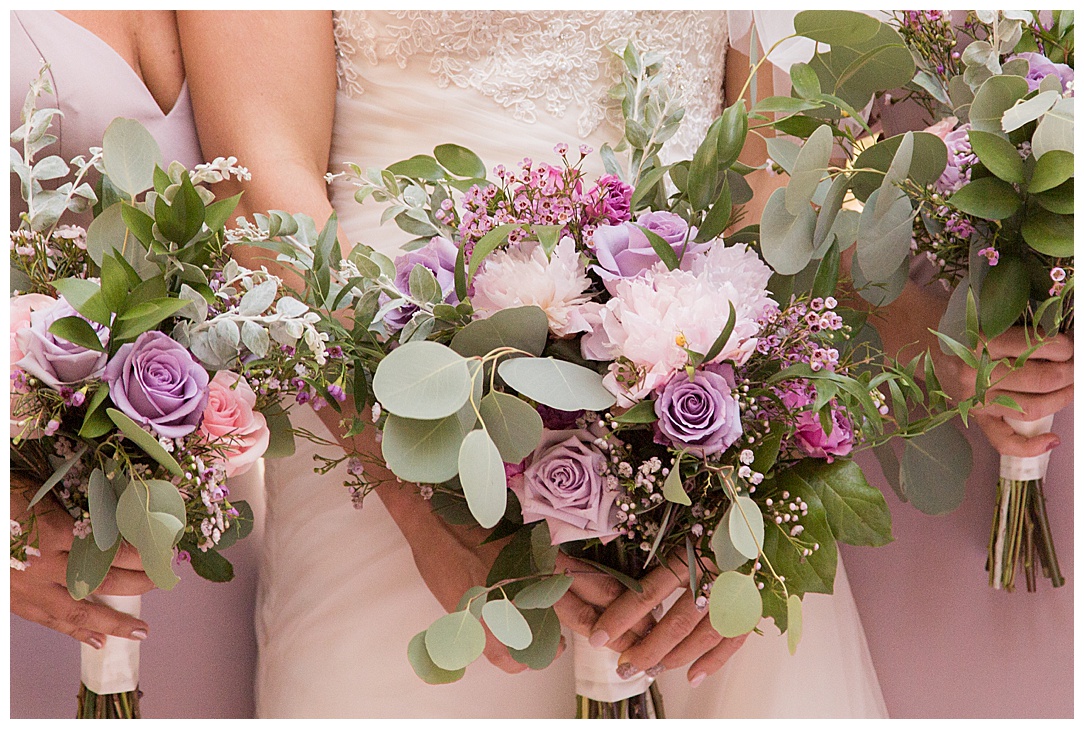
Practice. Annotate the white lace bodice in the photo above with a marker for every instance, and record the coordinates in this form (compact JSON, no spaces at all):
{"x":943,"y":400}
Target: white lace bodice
{"x":556,"y":63}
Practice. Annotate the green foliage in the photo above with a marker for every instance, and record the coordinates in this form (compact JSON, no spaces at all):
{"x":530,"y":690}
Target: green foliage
{"x":988,"y":198}
{"x":422,"y":381}
{"x":514,"y":426}
{"x":745,"y":526}
{"x":423,"y":665}
{"x":147,"y":442}
{"x":857,"y":513}
{"x":524,"y":328}
{"x":1004,"y":295}
{"x":735,"y":606}
{"x":934,"y":469}
{"x":455,"y":640}
{"x":423,"y":451}
{"x":130,"y":156}
{"x":88,"y":565}
{"x":559,"y":384}
{"x":481,"y":473}
{"x":507,"y":624}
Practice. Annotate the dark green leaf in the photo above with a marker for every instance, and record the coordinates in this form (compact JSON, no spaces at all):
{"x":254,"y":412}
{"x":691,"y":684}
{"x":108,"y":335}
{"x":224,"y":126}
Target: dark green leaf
{"x":88,"y":565}
{"x":988,"y":198}
{"x":835,"y":27}
{"x":827,"y":273}
{"x":419,"y":167}
{"x":1049,"y":233}
{"x":998,"y":155}
{"x":219,"y":212}
{"x":724,"y":336}
{"x":144,"y":317}
{"x":58,"y":474}
{"x":180,"y":220}
{"x":1004,"y":295}
{"x":1059,"y":200}
{"x":817,"y":572}
{"x":76,"y":330}
{"x":732,"y":132}
{"x":486,"y":245}
{"x":927,"y":162}
{"x":662,"y":248}
{"x":1051,"y":170}
{"x":856,"y":512}
{"x":211,"y":565}
{"x":460,"y":161}
{"x":85,"y":297}
{"x":546,"y":629}
{"x":139,"y":223}
{"x":718,"y":216}
{"x":641,"y":412}
{"x":934,"y":469}
{"x":96,"y":423}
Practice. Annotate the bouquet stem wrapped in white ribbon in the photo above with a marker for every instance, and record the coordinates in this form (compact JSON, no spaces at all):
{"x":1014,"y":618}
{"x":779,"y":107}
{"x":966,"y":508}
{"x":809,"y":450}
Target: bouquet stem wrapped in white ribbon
{"x":1021,"y":532}
{"x":110,"y":675}
{"x":602,"y":694}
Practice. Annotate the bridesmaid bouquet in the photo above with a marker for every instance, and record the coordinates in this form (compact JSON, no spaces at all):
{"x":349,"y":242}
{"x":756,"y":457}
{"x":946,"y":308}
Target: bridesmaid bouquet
{"x":587,"y":365}
{"x":997,"y":224}
{"x":146,"y":368}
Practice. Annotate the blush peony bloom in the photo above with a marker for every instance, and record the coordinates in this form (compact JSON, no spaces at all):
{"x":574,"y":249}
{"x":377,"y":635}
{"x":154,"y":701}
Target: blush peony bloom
{"x":229,"y":416}
{"x":700,"y":415}
{"x":564,"y":483}
{"x":55,"y":361}
{"x":1039,"y":67}
{"x":623,"y":251}
{"x":156,"y":383}
{"x":652,"y":319}
{"x":810,"y":436}
{"x":521,"y":276}
{"x":438,"y":255}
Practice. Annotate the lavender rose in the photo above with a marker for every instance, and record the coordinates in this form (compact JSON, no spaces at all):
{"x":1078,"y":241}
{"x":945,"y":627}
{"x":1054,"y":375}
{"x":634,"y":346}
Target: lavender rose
{"x":1039,"y":67}
{"x":623,"y":251}
{"x":701,"y":415}
{"x":156,"y":383}
{"x":564,"y":483}
{"x":53,"y":360}
{"x":810,"y":436}
{"x":960,"y":159}
{"x":438,"y":255}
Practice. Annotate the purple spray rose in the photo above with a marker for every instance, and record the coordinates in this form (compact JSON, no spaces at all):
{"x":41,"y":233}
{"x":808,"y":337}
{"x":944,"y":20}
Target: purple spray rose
{"x":156,"y":383}
{"x":438,"y":255}
{"x":960,"y":159}
{"x":565,"y":484}
{"x":1039,"y":67}
{"x":623,"y":251}
{"x":701,"y":415}
{"x":810,"y":436}
{"x":56,"y":361}
{"x":610,"y":201}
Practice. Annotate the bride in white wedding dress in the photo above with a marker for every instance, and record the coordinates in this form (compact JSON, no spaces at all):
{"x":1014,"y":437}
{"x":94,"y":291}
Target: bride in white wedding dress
{"x":340,"y":596}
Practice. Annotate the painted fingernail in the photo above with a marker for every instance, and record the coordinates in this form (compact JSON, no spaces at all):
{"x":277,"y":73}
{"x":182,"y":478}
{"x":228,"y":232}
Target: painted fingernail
{"x":654,"y":670}
{"x":697,"y":679}
{"x":626,"y":671}
{"x":1054,"y":443}
{"x":95,"y":643}
{"x":599,"y":638}
{"x":139,"y":634}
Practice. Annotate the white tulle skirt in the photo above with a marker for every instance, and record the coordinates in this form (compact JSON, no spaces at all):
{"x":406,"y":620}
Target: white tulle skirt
{"x":340,"y":599}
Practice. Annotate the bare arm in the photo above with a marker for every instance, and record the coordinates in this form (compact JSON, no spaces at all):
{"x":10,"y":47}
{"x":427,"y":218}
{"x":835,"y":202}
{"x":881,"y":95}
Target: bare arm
{"x":274,"y":107}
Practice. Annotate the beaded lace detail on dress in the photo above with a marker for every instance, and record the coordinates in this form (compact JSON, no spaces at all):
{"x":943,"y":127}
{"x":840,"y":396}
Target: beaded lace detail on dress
{"x":556,"y":62}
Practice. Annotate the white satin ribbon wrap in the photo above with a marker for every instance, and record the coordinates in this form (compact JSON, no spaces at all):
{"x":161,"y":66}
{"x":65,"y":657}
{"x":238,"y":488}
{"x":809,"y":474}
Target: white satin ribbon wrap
{"x":1015,"y":468}
{"x":115,"y":668}
{"x":595,"y":670}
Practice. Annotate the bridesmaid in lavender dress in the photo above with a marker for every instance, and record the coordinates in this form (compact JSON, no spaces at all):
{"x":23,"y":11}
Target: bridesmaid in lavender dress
{"x":200,"y":655}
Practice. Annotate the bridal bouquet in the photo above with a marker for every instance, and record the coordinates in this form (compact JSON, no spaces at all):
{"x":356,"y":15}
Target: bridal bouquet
{"x":997,"y":225}
{"x":585,"y":364}
{"x":146,"y":368}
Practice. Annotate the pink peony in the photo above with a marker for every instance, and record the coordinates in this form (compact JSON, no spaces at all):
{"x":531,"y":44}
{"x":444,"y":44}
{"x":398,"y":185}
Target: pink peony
{"x":565,"y":484}
{"x":522,"y":276}
{"x":653,"y":319}
{"x":229,"y":415}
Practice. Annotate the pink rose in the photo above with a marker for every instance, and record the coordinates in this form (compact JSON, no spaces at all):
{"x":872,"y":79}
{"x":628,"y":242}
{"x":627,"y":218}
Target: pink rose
{"x":21,"y":307}
{"x":810,"y":436}
{"x":229,"y":416}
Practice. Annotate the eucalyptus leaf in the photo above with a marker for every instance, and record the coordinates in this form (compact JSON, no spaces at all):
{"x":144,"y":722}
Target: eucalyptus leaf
{"x":546,"y":629}
{"x":481,"y":472}
{"x":88,"y":566}
{"x":514,"y":426}
{"x":456,"y":640}
{"x":735,"y":605}
{"x":927,"y":162}
{"x":1055,"y":130}
{"x":422,"y":380}
{"x":129,"y":155}
{"x":524,"y":328}
{"x":424,"y":667}
{"x":543,"y":594}
{"x":934,"y":469}
{"x":809,"y":168}
{"x":507,"y":624}
{"x":794,"y":622}
{"x":746,"y":526}
{"x":997,"y":95}
{"x":786,"y":240}
{"x":103,"y":510}
{"x":423,"y":451}
{"x":726,"y":557}
{"x":884,"y":241}
{"x":559,"y":384}
{"x":1028,"y":110}
{"x":673,"y":488}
